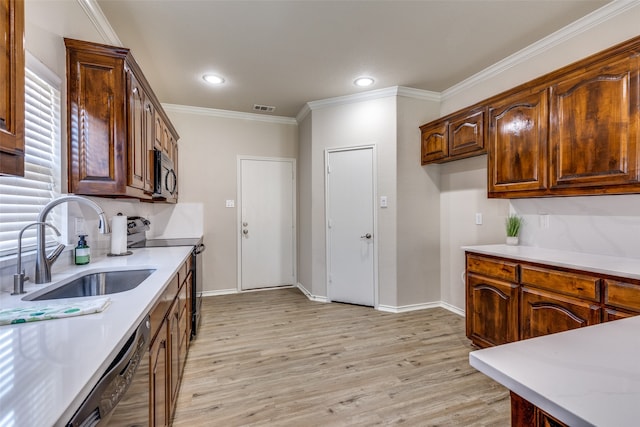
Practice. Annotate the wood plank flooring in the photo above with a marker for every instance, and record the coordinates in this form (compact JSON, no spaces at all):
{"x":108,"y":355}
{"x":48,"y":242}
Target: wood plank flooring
{"x":274,"y":358}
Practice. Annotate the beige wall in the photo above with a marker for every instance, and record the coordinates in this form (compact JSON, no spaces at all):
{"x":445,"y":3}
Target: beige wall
{"x":209,"y":147}
{"x":418,"y":216}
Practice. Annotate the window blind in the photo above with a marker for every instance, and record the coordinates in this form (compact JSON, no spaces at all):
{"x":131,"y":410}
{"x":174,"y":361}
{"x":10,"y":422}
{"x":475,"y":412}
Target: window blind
{"x":22,"y":198}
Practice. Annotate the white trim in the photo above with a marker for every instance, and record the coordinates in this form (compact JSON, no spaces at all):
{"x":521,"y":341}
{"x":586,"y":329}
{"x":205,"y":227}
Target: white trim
{"x":310,"y":296}
{"x":423,"y":306}
{"x":303,"y":113}
{"x":583,"y":24}
{"x":374,"y":160}
{"x":370,"y":95}
{"x":218,"y":292}
{"x":100,"y":22}
{"x":228,"y":114}
{"x":294,"y":170}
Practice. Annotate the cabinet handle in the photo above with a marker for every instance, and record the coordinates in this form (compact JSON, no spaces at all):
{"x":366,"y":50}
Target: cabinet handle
{"x":148,"y":108}
{"x":135,"y":90}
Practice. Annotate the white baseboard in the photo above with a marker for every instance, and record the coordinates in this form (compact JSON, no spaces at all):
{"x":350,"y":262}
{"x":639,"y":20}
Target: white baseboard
{"x":219,"y":292}
{"x":385,"y":308}
{"x":309,"y":295}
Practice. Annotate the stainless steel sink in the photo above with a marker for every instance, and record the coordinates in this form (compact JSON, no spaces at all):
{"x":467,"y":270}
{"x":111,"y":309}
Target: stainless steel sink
{"x":101,"y":283}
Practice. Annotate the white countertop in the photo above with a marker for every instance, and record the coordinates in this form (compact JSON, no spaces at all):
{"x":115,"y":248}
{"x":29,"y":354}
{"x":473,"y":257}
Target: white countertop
{"x":48,"y":367}
{"x":603,"y":264}
{"x":584,"y":377}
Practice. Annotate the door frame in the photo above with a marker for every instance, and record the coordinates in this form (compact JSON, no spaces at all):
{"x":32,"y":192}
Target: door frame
{"x":374,"y":160}
{"x":294,"y":189}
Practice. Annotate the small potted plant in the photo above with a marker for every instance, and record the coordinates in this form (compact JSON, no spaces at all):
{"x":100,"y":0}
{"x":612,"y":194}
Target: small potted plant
{"x":513,"y":223}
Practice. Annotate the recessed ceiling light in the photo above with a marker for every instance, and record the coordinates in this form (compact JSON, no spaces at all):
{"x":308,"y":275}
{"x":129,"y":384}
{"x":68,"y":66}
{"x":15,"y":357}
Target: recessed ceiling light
{"x":363,"y":81}
{"x":213,"y":79}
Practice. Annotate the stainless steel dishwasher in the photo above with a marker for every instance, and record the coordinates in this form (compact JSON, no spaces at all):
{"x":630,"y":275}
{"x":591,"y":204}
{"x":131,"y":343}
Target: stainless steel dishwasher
{"x":121,"y":396}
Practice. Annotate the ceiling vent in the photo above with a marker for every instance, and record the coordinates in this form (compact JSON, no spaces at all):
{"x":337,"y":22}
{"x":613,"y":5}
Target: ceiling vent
{"x":264,"y":108}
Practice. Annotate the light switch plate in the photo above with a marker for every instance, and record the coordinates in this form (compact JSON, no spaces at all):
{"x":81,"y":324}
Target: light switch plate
{"x":383,"y":201}
{"x":230,"y":204}
{"x":479,"y":218}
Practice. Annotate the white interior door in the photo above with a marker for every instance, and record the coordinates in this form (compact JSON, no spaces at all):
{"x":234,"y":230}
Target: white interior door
{"x":350,"y":226}
{"x":267,"y":221}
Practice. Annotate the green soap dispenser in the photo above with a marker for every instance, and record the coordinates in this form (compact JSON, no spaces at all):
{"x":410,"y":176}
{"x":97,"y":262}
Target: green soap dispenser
{"x":82,"y":253}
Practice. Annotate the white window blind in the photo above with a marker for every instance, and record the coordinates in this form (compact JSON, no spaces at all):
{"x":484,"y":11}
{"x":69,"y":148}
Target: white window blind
{"x":22,"y":198}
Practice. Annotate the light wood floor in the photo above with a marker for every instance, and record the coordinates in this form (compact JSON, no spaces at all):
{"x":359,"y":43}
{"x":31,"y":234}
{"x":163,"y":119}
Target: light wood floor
{"x":274,"y":358}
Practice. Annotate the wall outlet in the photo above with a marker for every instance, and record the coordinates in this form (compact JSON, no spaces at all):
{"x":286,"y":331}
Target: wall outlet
{"x":544,"y":221}
{"x":383,"y":202}
{"x":79,"y":226}
{"x":230,"y":204}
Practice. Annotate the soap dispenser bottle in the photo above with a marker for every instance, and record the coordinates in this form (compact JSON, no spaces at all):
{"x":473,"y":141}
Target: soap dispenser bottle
{"x":82,"y":253}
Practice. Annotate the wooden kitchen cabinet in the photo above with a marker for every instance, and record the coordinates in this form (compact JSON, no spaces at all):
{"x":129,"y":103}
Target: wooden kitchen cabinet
{"x":492,"y":301}
{"x":111,"y":122}
{"x":594,"y":126}
{"x":454,"y":137}
{"x":525,"y":413}
{"x":12,"y":87}
{"x":170,"y":332}
{"x":158,"y":391}
{"x":518,"y":144}
{"x":543,"y":313}
{"x":621,"y":299}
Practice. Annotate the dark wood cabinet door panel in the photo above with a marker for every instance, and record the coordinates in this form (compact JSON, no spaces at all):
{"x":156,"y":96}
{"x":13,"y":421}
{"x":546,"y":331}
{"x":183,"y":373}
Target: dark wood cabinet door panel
{"x":435,"y":144}
{"x":518,"y":143}
{"x":544,"y":313}
{"x":467,"y":133}
{"x":594,"y":126}
{"x":12,"y":87}
{"x":492,"y":311}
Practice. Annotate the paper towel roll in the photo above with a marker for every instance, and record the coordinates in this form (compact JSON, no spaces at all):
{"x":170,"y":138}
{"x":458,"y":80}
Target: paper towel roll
{"x":118,"y":234}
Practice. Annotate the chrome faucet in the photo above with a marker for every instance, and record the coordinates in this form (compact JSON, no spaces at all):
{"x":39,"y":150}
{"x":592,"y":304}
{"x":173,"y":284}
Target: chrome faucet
{"x":43,"y":261}
{"x":20,"y":277}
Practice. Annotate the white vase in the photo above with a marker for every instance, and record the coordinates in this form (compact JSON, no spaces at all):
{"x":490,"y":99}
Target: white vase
{"x":512,"y":240}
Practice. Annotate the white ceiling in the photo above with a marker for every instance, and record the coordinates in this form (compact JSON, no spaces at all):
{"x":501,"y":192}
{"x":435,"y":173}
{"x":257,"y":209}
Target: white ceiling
{"x":287,"y":53}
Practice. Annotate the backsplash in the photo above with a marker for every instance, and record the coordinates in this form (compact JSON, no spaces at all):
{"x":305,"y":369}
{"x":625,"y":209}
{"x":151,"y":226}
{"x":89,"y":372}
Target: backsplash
{"x":167,"y":221}
{"x":604,"y":225}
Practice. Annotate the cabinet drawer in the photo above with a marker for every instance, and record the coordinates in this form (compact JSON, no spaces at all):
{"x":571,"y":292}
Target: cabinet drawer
{"x":573,"y":284}
{"x":621,"y":294}
{"x":498,"y":268}
{"x":163,"y":304}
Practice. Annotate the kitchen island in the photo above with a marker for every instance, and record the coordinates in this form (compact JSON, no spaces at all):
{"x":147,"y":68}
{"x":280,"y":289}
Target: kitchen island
{"x":588,"y":376}
{"x":48,"y":367}
{"x":583,"y":377}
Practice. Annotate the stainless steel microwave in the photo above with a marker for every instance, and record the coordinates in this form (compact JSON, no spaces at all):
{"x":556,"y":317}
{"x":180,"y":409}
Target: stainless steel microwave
{"x":165,"y":180}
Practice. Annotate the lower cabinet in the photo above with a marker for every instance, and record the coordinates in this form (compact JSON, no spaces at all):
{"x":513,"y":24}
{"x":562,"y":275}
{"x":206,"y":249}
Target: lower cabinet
{"x":524,"y":413}
{"x":509,"y":300}
{"x":544,"y":313}
{"x":169,"y":346}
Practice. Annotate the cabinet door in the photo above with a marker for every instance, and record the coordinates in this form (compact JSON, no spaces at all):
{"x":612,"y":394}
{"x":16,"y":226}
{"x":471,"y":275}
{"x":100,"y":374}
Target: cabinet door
{"x":545,"y":313}
{"x":492,"y":311}
{"x":593,"y":130}
{"x":137,"y":144}
{"x":149,"y":125}
{"x":12,"y":87}
{"x":159,"y":131}
{"x":174,"y":354}
{"x":518,"y":144}
{"x":97,"y":141}
{"x":158,"y":378}
{"x":435,"y":145}
{"x":467,"y":133}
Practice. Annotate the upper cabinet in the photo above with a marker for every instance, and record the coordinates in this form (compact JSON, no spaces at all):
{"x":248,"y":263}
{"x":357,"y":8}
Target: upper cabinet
{"x":113,"y":120}
{"x":454,"y":137}
{"x":12,"y":87}
{"x":518,"y":143}
{"x":574,"y":131}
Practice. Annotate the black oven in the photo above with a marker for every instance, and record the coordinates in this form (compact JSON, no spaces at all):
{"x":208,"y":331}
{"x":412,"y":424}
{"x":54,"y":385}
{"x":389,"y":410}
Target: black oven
{"x":165,"y":181}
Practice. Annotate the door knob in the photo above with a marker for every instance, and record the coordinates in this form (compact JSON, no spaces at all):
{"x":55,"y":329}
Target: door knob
{"x":366,"y":236}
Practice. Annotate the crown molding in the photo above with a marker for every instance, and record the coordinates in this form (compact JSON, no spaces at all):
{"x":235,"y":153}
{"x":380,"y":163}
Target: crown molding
{"x":228,"y":114}
{"x":403,"y":91}
{"x":583,"y":24}
{"x":97,"y":18}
